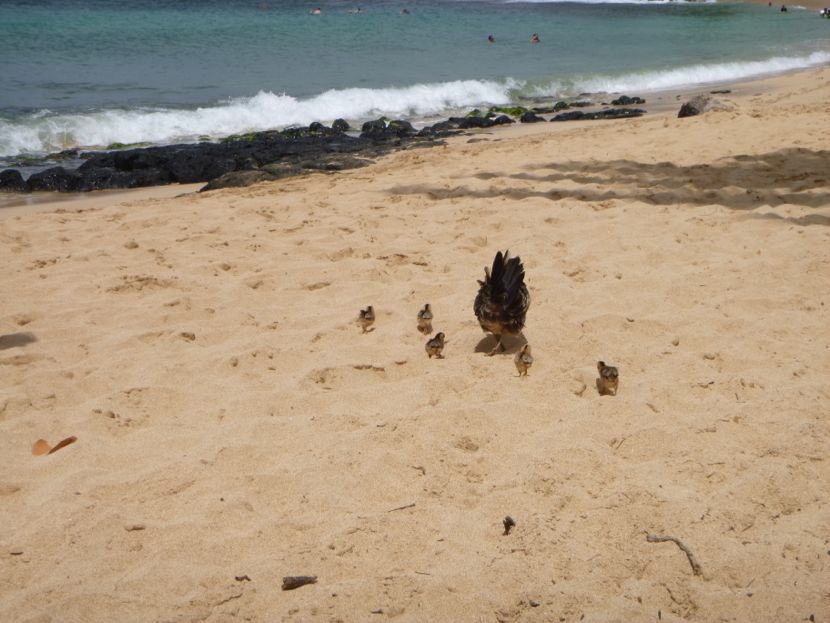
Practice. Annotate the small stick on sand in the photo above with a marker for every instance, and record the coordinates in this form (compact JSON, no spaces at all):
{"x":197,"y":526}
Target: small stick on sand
{"x":290,"y":582}
{"x":696,"y":568}
{"x":400,"y":508}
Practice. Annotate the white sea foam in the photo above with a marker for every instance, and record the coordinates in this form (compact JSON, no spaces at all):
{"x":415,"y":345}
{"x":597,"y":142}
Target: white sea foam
{"x":699,"y":74}
{"x":46,"y":132}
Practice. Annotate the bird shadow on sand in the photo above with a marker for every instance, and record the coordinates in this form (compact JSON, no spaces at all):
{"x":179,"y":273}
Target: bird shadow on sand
{"x":13,"y":340}
{"x":512,"y":344}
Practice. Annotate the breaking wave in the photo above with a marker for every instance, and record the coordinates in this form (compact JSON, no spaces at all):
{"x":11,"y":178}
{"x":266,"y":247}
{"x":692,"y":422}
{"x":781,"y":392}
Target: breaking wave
{"x":45,"y":132}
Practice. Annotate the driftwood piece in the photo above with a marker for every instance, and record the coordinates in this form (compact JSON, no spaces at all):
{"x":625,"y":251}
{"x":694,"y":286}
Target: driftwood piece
{"x":290,"y":582}
{"x":696,"y":568}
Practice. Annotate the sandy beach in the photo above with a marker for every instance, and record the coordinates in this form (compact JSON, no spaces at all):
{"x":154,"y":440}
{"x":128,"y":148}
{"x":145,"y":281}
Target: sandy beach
{"x":234,"y":426}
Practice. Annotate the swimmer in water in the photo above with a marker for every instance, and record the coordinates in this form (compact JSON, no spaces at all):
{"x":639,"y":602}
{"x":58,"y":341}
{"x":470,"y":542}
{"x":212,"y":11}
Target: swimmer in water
{"x":535,"y":38}
{"x":316,"y":11}
{"x":491,"y":39}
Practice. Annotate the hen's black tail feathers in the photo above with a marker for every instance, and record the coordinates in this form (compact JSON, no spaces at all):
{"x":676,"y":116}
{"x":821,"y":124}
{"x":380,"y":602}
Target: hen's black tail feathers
{"x":503,"y":297}
{"x":513,"y":275}
{"x":507,"y":278}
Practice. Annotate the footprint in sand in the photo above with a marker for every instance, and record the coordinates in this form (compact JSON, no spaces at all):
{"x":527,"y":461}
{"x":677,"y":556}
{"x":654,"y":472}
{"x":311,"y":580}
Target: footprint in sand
{"x":21,"y":320}
{"x":319,"y":285}
{"x":151,"y":336}
{"x":39,"y":264}
{"x":256,"y":358}
{"x":6,"y":488}
{"x":466,"y":444}
{"x":132,"y":408}
{"x":346,"y":376}
{"x":21,"y":360}
{"x":138,"y":283}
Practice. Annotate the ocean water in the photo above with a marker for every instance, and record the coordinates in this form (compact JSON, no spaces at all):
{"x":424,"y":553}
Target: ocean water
{"x":90,"y":73}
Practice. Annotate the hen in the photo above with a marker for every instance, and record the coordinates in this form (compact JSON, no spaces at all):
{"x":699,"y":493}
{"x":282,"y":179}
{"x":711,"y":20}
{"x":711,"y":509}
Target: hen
{"x":502,"y":300}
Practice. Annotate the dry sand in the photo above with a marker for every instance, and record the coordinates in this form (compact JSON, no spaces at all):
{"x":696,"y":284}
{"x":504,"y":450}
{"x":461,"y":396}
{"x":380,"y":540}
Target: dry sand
{"x":234,"y":426}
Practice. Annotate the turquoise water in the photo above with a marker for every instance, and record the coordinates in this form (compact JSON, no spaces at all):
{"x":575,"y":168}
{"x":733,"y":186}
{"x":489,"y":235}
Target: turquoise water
{"x":95,"y":72}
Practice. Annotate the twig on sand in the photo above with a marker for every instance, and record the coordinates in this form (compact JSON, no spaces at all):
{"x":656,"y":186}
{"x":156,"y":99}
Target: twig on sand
{"x":400,"y":508}
{"x":696,"y":568}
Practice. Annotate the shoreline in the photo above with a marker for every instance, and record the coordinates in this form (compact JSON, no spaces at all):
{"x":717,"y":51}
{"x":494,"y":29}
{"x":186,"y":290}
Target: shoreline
{"x":724,"y":67}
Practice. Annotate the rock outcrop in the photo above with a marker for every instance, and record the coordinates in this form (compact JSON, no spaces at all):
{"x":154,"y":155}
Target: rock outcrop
{"x":608,"y":113}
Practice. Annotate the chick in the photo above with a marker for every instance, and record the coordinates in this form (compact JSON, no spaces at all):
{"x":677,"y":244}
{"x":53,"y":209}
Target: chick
{"x":502,"y":301}
{"x":425,"y":320}
{"x":435,"y":346}
{"x":523,"y":360}
{"x":366,"y":318}
{"x":609,"y":379}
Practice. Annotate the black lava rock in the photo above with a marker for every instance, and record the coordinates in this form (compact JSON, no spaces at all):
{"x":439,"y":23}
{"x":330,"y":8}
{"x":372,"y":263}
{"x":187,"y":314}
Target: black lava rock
{"x":374,"y":130}
{"x":340,"y":125}
{"x":11,"y":181}
{"x":608,"y":113}
{"x":694,"y":106}
{"x":291,"y":151}
{"x":474,"y":121}
{"x":530,"y":117}
{"x":624,"y":100}
{"x":401,"y":128}
{"x":55,"y":179}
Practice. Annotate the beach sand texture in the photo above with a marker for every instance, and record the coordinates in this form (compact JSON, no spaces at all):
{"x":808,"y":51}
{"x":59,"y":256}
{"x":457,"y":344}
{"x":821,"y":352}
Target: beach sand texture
{"x":235,"y":426}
